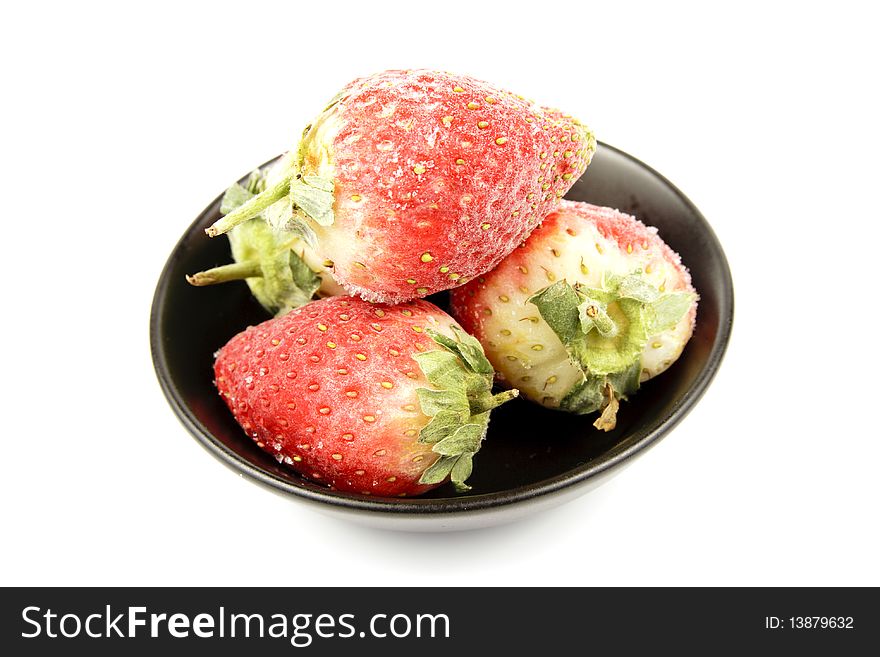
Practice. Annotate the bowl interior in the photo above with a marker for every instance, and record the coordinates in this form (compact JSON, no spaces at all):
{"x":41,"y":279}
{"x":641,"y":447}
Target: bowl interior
{"x":528,"y":449}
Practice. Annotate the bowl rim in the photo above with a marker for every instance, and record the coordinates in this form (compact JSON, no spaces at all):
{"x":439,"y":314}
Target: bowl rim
{"x":445,"y":506}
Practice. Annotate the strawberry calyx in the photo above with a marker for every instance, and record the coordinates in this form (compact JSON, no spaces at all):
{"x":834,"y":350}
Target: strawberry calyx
{"x":291,"y":196}
{"x":458,"y":405}
{"x":311,"y":195}
{"x":604,"y":331}
{"x":278,"y":277}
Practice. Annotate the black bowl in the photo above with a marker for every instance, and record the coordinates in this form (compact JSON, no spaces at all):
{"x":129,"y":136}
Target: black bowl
{"x":532,"y":458}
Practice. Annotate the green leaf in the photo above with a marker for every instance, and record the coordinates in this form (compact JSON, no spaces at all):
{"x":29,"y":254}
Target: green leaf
{"x":668,"y":310}
{"x":256,"y":181}
{"x":465,"y":347}
{"x":459,"y":407}
{"x":269,"y":237}
{"x":443,"y":424}
{"x":466,"y":438}
{"x":304,"y":231}
{"x":462,"y":469}
{"x":472,"y":373}
{"x":604,"y":295}
{"x":439,"y":470}
{"x":234,"y":196}
{"x":304,"y":282}
{"x":605,"y":355}
{"x":435,"y":401}
{"x":626,"y":383}
{"x":564,"y":308}
{"x":286,"y":281}
{"x":584,"y":397}
{"x":602,"y":332}
{"x":322,"y":184}
{"x":472,"y":352}
{"x":636,"y":287}
{"x":558,"y":305}
{"x":281,"y":216}
{"x":590,"y":395}
{"x":315,"y":198}
{"x":442,"y":368}
{"x":252,"y":207}
{"x":443,"y":340}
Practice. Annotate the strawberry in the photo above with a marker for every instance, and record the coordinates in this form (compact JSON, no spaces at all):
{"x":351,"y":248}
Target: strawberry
{"x":281,"y":269}
{"x":412,"y":182}
{"x":593,"y":304}
{"x":376,"y":399}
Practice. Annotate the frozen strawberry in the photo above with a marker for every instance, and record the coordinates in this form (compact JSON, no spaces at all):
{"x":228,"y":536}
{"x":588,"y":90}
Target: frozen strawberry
{"x":593,"y":304}
{"x":375,"y":399}
{"x":282,"y":269}
{"x":411,"y":182}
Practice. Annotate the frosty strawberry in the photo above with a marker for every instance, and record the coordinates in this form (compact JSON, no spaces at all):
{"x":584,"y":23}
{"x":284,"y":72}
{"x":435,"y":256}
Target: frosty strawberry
{"x":375,"y":399}
{"x":592,"y":305}
{"x":411,"y":182}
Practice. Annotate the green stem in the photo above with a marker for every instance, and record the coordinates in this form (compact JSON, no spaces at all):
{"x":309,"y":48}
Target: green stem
{"x":604,"y":324}
{"x":234,"y":272}
{"x":250,"y":209}
{"x":488,"y":402}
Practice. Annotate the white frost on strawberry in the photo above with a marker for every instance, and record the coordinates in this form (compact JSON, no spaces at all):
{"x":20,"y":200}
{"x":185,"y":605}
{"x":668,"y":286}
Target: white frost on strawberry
{"x":591,"y":305}
{"x":410,"y":182}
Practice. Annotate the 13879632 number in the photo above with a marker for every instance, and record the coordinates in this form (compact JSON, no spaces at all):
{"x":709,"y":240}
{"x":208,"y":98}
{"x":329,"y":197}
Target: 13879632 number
{"x":821,"y":622}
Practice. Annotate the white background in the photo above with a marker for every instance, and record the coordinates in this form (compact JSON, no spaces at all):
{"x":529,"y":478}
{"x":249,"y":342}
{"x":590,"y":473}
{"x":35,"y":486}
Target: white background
{"x":119,"y":124}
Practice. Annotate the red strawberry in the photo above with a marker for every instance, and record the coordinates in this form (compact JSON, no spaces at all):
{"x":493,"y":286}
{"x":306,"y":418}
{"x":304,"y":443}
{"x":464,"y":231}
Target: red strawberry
{"x":376,"y":399}
{"x":592,"y":305}
{"x":411,"y":182}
